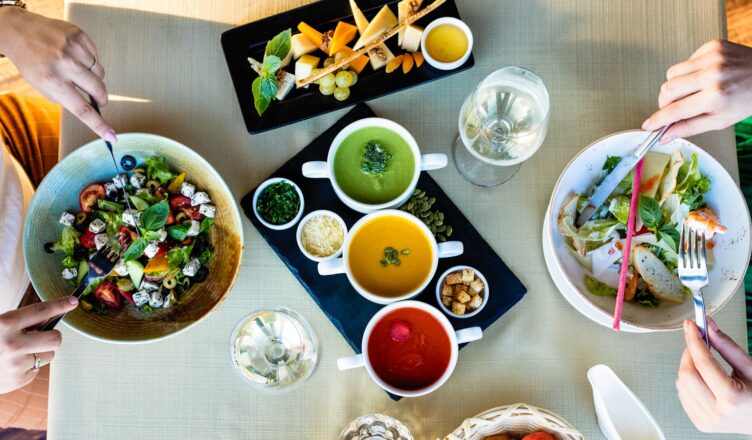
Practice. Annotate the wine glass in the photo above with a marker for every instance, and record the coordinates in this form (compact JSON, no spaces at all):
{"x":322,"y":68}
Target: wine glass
{"x":375,"y":427}
{"x":502,"y":123}
{"x":274,"y":349}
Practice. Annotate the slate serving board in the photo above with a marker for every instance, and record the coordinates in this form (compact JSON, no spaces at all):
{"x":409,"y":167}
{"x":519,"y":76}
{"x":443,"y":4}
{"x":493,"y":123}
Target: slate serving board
{"x":349,"y":311}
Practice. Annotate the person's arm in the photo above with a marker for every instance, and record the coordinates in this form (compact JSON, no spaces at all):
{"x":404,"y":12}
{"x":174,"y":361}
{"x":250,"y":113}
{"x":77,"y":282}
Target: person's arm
{"x":712,"y":90}
{"x":713,"y":400}
{"x":58,"y":59}
{"x":19,"y":344}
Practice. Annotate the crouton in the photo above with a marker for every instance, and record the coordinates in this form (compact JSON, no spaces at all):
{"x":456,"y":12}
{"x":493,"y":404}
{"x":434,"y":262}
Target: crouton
{"x":447,"y":301}
{"x":458,"y":308}
{"x":463,"y":297}
{"x":447,"y":290}
{"x":477,"y":286}
{"x":454,"y":278}
{"x":475,"y":302}
{"x":459,"y":289}
{"x":468,"y":276}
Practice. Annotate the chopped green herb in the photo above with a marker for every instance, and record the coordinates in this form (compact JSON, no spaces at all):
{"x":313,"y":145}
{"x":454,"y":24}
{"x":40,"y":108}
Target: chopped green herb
{"x":611,"y":162}
{"x":278,"y":203}
{"x":375,"y":159}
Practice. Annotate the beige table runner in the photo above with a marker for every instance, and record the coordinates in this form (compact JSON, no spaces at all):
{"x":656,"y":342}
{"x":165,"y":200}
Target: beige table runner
{"x":603,"y":62}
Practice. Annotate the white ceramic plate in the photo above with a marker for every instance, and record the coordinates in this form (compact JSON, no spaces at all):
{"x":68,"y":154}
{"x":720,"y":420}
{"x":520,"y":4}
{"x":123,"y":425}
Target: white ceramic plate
{"x":732,"y":250}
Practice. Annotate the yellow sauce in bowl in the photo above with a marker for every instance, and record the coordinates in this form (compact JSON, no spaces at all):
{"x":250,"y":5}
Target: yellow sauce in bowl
{"x":446,"y":43}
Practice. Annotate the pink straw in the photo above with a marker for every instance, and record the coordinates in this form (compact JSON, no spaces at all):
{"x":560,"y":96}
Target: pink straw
{"x":627,"y":245}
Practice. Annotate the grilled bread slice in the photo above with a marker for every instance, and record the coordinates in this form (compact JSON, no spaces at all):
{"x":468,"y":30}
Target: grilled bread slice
{"x":663,"y":283}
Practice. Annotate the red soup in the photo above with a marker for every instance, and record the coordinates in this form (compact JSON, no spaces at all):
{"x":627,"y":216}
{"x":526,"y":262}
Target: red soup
{"x":409,"y":349}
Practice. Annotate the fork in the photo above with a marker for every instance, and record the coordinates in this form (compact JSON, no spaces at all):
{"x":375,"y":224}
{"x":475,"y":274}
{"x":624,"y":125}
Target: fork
{"x":100,"y":264}
{"x":693,"y":273}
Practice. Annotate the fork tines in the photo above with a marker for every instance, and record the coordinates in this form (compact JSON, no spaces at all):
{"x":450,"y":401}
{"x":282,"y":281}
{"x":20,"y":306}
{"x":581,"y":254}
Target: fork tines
{"x":692,"y":249}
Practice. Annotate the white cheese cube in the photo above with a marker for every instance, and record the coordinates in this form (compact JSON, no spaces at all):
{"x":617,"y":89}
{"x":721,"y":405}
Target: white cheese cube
{"x":305,"y":65}
{"x":70,"y":273}
{"x":194,"y":229}
{"x":191,"y":268}
{"x":119,"y":181}
{"x":285,"y":84}
{"x":131,"y":217}
{"x":97,"y":226}
{"x":300,"y":45}
{"x":162,"y":234}
{"x":100,"y":240}
{"x":141,"y":297}
{"x":207,"y":210}
{"x":200,"y":198}
{"x":380,"y":56}
{"x":151,"y":249}
{"x":169,"y":300}
{"x":411,"y":41}
{"x":111,"y":191}
{"x":156,"y":300}
{"x":67,"y":218}
{"x":187,"y":189}
{"x":120,"y":268}
{"x":148,"y":286}
{"x":138,"y":180}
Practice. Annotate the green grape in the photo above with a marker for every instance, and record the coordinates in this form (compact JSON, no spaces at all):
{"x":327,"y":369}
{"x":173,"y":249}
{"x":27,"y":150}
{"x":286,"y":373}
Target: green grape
{"x":354,"y":77}
{"x":328,"y":62}
{"x":339,"y":56}
{"x":328,"y":81}
{"x":341,"y":93}
{"x":343,"y":79}
{"x":326,"y":91}
{"x":314,"y":72}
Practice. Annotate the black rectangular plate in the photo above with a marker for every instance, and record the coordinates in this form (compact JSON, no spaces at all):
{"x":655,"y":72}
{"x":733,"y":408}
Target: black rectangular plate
{"x":250,"y":40}
{"x":347,"y":310}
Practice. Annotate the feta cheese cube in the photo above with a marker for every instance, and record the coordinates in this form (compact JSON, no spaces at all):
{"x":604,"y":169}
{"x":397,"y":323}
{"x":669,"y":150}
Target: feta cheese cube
{"x":131,"y":217}
{"x":119,"y":181}
{"x":120,"y":268}
{"x":207,"y":210}
{"x":67,"y":218}
{"x":169,"y":300}
{"x":156,"y":300}
{"x":138,"y":180}
{"x":97,"y":226}
{"x":187,"y":189}
{"x":141,"y":297}
{"x":162,"y":234}
{"x":148,"y":286}
{"x":200,"y":198}
{"x":100,"y":240}
{"x":151,"y":249}
{"x":70,"y":273}
{"x":111,"y":191}
{"x":194,"y":229}
{"x":192,"y":267}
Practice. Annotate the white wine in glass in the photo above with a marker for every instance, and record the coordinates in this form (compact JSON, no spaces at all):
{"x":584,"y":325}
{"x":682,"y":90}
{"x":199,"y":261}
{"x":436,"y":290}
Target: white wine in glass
{"x":502,"y":123}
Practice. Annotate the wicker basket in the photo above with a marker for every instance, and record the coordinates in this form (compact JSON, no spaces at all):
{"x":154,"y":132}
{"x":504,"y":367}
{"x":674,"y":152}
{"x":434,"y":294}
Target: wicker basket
{"x":517,"y":419}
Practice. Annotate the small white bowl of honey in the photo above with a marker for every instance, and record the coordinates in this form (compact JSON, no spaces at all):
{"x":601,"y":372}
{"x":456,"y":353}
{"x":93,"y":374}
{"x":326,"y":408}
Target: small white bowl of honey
{"x":447,"y":43}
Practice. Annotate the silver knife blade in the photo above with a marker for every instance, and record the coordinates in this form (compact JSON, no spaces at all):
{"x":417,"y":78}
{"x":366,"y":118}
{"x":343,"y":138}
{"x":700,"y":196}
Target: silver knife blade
{"x":616,"y":175}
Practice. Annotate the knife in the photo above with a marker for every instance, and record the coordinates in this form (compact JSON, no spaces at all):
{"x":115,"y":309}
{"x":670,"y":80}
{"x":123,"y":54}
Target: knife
{"x":618,"y":174}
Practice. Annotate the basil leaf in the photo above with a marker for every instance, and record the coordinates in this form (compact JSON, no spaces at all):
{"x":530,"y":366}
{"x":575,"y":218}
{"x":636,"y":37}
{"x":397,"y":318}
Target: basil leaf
{"x":260,"y":101}
{"x":280,"y":45}
{"x":136,"y":249}
{"x":139,"y":203}
{"x":650,"y":212}
{"x":611,"y":162}
{"x":150,"y":235}
{"x":272,"y":63}
{"x":206,"y":223}
{"x":269,"y":86}
{"x":179,"y":232}
{"x":154,"y":217}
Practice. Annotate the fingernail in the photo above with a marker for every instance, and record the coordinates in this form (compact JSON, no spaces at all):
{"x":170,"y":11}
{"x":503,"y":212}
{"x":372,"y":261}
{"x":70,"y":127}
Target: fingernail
{"x":73,"y":300}
{"x":713,"y":325}
{"x":645,"y":124}
{"x":110,"y":137}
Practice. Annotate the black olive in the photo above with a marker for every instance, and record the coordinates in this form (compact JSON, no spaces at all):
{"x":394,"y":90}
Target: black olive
{"x":201,"y":275}
{"x":80,"y":253}
{"x":199,"y":246}
{"x":128,"y":162}
{"x":48,"y":247}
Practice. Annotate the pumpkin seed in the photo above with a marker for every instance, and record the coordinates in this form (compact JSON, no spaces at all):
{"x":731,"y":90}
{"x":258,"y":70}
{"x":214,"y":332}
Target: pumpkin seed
{"x":441,"y":238}
{"x":388,"y":258}
{"x":397,"y":262}
{"x":405,"y":252}
{"x":449,"y":231}
{"x":441,"y":228}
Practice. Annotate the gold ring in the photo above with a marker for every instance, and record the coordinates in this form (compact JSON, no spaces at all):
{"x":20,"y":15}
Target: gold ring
{"x":37,"y":362}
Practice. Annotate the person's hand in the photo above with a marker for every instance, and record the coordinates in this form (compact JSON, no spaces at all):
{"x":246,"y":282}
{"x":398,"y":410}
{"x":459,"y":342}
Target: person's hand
{"x":58,"y":59}
{"x":714,"y":400}
{"x":712,"y":90}
{"x":18,"y":343}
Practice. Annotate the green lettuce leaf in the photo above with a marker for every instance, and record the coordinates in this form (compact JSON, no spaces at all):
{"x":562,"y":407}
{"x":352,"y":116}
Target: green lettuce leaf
{"x":67,"y":242}
{"x":157,"y":169}
{"x":597,"y":288}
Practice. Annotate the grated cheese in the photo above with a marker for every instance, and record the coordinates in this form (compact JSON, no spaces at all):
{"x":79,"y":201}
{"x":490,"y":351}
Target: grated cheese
{"x":322,"y":236}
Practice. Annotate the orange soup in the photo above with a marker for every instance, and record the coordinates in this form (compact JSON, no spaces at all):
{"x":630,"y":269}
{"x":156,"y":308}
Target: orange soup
{"x":390,"y":256}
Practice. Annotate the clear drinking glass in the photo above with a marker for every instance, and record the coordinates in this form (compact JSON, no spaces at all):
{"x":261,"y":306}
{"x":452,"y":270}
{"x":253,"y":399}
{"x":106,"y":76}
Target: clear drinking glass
{"x":274,"y":349}
{"x":502,"y":123}
{"x":375,"y":427}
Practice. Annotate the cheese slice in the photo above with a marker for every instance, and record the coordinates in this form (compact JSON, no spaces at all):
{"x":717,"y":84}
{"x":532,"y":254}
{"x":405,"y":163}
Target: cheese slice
{"x":652,"y":172}
{"x":380,"y":56}
{"x":305,"y":65}
{"x":405,"y":9}
{"x":383,"y":21}
{"x":300,"y":45}
{"x":361,"y":22}
{"x":411,"y":42}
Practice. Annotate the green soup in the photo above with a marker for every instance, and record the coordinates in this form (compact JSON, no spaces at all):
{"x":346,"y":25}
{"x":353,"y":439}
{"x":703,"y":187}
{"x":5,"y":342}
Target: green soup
{"x":372,"y":188}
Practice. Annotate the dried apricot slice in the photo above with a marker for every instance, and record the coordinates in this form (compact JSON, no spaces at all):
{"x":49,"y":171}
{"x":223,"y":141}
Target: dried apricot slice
{"x":394,"y":64}
{"x":418,"y":59}
{"x":407,"y":63}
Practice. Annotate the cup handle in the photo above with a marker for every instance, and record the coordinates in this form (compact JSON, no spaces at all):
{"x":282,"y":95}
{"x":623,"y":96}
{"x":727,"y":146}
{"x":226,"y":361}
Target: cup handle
{"x":467,"y":335}
{"x":348,"y":363}
{"x":433,"y":161}
{"x":332,"y":267}
{"x":450,"y":249}
{"x":315,"y":170}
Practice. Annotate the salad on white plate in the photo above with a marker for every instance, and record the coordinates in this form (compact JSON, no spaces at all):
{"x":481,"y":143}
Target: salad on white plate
{"x":672,"y":191}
